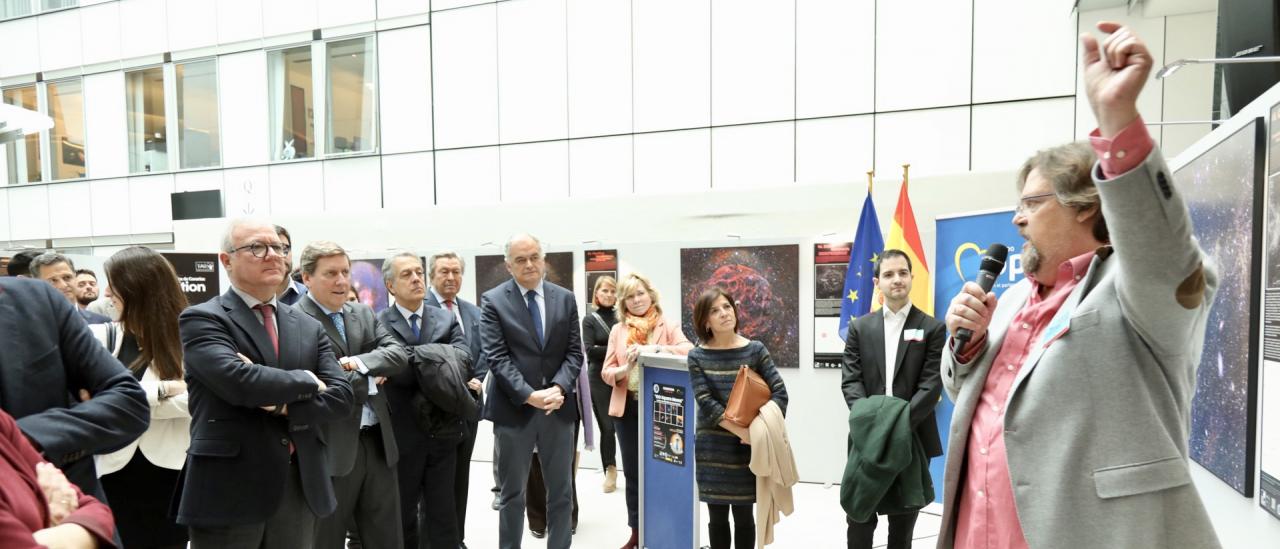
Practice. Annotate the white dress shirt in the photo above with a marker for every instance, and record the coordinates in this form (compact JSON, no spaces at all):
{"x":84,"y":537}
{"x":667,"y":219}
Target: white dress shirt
{"x":457,"y":310}
{"x":893,"y":324}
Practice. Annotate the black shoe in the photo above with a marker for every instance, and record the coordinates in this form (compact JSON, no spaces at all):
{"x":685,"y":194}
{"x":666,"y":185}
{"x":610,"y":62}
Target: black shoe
{"x":497,"y":501}
{"x":462,"y":545}
{"x":537,"y":534}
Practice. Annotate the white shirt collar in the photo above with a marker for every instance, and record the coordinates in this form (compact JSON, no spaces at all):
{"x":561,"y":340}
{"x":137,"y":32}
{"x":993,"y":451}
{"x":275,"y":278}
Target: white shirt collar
{"x":900,"y":315}
{"x":326,"y":310}
{"x":439,"y":298}
{"x":537,"y":290}
{"x":406,"y":313}
{"x":251,"y":301}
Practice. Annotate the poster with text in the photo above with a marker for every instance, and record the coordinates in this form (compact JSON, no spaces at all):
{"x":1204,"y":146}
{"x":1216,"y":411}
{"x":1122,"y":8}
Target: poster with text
{"x":765,"y":282}
{"x":668,"y":440}
{"x":366,"y":279}
{"x":197,"y":275}
{"x":1269,"y":397}
{"x":830,"y":263}
{"x":491,"y":270}
{"x":599,"y":264}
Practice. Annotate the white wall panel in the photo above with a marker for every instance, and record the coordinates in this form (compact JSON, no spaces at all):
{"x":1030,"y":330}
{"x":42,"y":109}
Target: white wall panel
{"x":1190,"y":93}
{"x":404,"y":77}
{"x":190,"y":24}
{"x":29,"y":212}
{"x":536,"y":172}
{"x":932,"y":141}
{"x":239,"y":20}
{"x":286,"y":16}
{"x":1149,"y":101}
{"x":1022,"y":50}
{"x":144,"y":28}
{"x":70,"y":210}
{"x":532,"y":78}
{"x":209,"y":180}
{"x":242,"y":102}
{"x":150,"y":209}
{"x":834,"y":150}
{"x":753,"y":64}
{"x":60,"y":40}
{"x":100,"y":33}
{"x":671,"y":162}
{"x":408,"y":180}
{"x":4,"y":207}
{"x":247,"y":192}
{"x":466,"y":77}
{"x":296,"y":188}
{"x":398,"y":8}
{"x":599,"y":51}
{"x":922,"y":54}
{"x":672,"y":63}
{"x":1006,"y":134}
{"x":106,"y":126}
{"x":335,"y":13}
{"x":467,"y":176}
{"x":110,"y":206}
{"x":437,"y":5}
{"x":756,"y":155}
{"x":353,"y":184}
{"x":20,"y":31}
{"x":835,"y":57}
{"x":600,"y":167}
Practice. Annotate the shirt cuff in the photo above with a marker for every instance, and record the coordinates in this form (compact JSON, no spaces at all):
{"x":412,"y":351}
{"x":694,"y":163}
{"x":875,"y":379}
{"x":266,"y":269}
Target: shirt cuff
{"x":1124,"y":152}
{"x":971,"y":349}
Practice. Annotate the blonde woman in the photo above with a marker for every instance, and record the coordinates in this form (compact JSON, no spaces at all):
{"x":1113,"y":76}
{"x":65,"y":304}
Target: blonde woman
{"x":641,"y":328}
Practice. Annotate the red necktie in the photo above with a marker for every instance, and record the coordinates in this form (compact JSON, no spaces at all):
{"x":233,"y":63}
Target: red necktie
{"x":269,"y":322}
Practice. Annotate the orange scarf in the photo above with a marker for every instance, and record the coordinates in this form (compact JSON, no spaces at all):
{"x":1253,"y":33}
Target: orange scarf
{"x":640,"y":327}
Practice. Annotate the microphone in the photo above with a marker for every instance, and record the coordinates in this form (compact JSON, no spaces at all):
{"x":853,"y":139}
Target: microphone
{"x":992,"y":264}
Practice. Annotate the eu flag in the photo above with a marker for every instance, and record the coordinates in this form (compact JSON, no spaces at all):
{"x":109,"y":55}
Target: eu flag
{"x":859,"y":290}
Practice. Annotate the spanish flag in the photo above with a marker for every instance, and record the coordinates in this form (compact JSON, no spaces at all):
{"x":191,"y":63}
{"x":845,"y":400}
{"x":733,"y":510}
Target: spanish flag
{"x":905,"y":236}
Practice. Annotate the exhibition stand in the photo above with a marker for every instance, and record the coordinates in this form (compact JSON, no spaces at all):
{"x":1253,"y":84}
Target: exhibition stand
{"x":668,"y":490}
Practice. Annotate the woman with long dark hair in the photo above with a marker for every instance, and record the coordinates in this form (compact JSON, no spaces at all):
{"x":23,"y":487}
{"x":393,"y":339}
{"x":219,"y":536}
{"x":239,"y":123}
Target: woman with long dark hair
{"x":140,"y":479}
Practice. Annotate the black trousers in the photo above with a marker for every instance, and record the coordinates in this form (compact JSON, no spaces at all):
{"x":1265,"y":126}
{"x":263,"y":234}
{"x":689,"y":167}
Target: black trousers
{"x":628,"y":430}
{"x":743,"y":532}
{"x":426,"y":479}
{"x":601,"y":392}
{"x":901,"y":528}
{"x":462,"y":478}
{"x":364,"y":505}
{"x":535,"y":495}
{"x":292,"y":526}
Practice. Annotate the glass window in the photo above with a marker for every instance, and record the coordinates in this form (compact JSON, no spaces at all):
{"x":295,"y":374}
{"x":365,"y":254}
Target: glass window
{"x":144,"y":97}
{"x":47,"y":5}
{"x":23,"y":156}
{"x":66,"y":141}
{"x":15,"y":8}
{"x":290,"y":95}
{"x":198,"y":114}
{"x":351,"y":95}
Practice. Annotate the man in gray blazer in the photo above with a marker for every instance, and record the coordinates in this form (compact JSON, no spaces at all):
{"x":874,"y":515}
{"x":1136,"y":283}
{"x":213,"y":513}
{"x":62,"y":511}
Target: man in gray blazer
{"x":362,"y":446}
{"x":1073,"y":396}
{"x":530,"y":334}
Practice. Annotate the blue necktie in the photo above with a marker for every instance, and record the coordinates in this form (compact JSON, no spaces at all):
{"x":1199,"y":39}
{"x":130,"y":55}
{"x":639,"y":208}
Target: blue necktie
{"x":337,"y":323}
{"x":413,"y":323}
{"x":531,"y":297}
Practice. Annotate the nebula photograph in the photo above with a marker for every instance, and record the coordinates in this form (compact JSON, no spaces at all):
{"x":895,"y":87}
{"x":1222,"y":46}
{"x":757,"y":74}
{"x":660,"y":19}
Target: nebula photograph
{"x":491,"y":270}
{"x":764,"y":280}
{"x":366,"y":278}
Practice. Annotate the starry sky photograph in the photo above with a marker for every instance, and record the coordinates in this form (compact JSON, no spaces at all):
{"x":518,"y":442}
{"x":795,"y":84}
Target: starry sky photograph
{"x":764,"y":280}
{"x":491,"y":270}
{"x":1219,"y":188}
{"x":366,"y":278}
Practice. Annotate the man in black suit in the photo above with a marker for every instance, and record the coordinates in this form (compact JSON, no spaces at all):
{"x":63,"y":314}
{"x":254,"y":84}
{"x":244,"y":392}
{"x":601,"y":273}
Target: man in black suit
{"x":428,"y":458}
{"x":362,"y":446}
{"x":446,"y":270}
{"x":914,"y":340}
{"x":529,"y":328}
{"x":262,"y":380}
{"x":60,"y":272}
{"x":49,"y":355}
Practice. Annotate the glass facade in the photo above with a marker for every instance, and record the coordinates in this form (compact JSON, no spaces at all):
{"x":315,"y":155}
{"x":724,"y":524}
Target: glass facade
{"x":291,"y":96}
{"x":351,"y":92}
{"x":23,"y":156}
{"x":148,"y":136}
{"x":66,"y":140}
{"x":197,"y":89}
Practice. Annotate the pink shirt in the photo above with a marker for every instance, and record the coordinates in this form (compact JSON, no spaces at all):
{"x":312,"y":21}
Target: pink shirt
{"x":988,"y":516}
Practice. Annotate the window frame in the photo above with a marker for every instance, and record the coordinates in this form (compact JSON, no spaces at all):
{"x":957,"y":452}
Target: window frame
{"x":320,"y":100}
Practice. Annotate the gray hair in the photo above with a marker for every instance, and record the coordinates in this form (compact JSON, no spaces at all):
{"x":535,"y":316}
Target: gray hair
{"x":228,"y":237}
{"x":506,"y":248}
{"x":390,"y":262}
{"x":315,"y":251}
{"x":1068,"y":168}
{"x":444,"y":255}
{"x":48,"y":259}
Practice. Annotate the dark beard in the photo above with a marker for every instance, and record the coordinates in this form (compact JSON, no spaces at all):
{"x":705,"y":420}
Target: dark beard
{"x":1030,"y":259}
{"x":85,"y":303}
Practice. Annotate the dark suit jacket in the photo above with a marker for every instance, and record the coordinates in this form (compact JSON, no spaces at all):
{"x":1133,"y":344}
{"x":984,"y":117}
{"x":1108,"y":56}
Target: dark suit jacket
{"x":239,"y":455}
{"x":48,"y":355}
{"x":91,"y":317}
{"x":436,"y":326}
{"x":470,"y":332}
{"x":518,"y":364}
{"x":916,"y":378}
{"x":369,"y":341}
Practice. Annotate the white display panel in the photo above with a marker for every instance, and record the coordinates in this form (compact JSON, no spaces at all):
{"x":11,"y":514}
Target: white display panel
{"x":933,"y":141}
{"x":599,"y":66}
{"x":150,"y":206}
{"x":756,"y":155}
{"x":671,"y":162}
{"x":600,"y":167}
{"x":144,"y":28}
{"x":466,"y":76}
{"x":297,"y":188}
{"x":99,"y":33}
{"x":110,"y":206}
{"x":753,"y":47}
{"x":106,"y":128}
{"x":467,"y":176}
{"x":408,"y":180}
{"x":236,"y":21}
{"x":532,"y":78}
{"x":60,"y":40}
{"x":242,"y":103}
{"x":835,"y":57}
{"x":672,"y":65}
{"x":1191,"y":95}
{"x":834,"y":150}
{"x":923,"y":54}
{"x":404,"y":78}
{"x":352,"y":184}
{"x":1006,"y":134}
{"x":71,"y":210}
{"x":193,"y":24}
{"x":536,"y":172}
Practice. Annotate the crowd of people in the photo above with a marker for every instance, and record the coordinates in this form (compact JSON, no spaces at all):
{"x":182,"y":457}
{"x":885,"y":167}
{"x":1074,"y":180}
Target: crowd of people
{"x":285,"y":414}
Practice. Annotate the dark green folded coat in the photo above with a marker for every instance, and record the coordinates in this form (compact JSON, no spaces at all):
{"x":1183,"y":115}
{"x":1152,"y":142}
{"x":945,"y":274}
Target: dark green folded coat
{"x":887,"y":471}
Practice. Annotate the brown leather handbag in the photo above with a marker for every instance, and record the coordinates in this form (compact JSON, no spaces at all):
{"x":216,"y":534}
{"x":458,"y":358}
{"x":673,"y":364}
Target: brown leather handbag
{"x":750,"y":392}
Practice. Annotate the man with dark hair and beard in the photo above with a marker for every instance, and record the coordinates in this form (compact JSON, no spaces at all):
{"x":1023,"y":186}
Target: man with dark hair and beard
{"x":1073,"y":395}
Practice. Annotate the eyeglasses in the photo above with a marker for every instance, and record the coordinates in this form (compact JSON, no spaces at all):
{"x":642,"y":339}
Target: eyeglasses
{"x":1028,"y":205}
{"x":259,"y":250}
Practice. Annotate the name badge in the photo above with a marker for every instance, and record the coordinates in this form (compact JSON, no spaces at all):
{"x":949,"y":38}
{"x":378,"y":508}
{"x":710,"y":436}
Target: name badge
{"x":916,"y":334}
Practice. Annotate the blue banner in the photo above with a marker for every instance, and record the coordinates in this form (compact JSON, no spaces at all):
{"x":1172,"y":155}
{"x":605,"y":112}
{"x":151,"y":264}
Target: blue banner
{"x":859,"y":283}
{"x":962,"y":241}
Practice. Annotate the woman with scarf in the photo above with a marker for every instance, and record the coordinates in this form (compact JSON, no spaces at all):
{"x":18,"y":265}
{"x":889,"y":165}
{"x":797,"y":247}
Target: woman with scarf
{"x":641,"y":328}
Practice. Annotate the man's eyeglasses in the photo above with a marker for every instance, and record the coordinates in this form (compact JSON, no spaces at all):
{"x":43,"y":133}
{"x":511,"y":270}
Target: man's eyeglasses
{"x":1027,"y":205}
{"x":259,"y":250}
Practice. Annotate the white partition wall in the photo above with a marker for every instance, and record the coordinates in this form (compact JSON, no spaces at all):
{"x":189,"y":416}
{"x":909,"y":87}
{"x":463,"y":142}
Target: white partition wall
{"x":106,"y":128}
{"x":404,"y":77}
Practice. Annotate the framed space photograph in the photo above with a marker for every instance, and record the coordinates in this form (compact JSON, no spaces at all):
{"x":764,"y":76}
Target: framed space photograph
{"x":765,"y":282}
{"x":1269,"y":390}
{"x":366,"y":278}
{"x":491,"y":270}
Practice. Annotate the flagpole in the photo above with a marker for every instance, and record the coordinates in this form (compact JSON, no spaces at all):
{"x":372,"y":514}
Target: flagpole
{"x":905,"y":169}
{"x":870,"y":180}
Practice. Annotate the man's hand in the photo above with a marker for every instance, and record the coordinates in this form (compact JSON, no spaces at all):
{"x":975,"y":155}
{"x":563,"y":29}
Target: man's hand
{"x":244,"y":358}
{"x":1114,"y":74}
{"x":475,"y":385}
{"x":971,"y":309}
{"x":65,"y":536}
{"x":549,"y":399}
{"x":58,"y":492}
{"x":346,"y":363}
